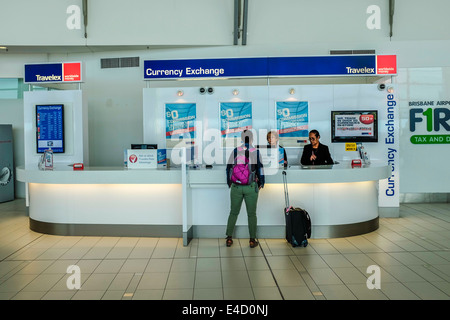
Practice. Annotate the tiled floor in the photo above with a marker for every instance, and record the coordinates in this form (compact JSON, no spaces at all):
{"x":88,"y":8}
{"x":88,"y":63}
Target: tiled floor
{"x":412,"y":253}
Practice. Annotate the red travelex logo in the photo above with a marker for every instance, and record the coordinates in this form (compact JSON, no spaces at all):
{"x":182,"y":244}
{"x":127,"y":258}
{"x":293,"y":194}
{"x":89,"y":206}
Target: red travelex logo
{"x":387,"y":64}
{"x":72,"y":71}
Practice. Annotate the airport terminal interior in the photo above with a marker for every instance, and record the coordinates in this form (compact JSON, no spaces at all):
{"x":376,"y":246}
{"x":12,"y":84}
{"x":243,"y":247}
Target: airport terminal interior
{"x":117,"y":119}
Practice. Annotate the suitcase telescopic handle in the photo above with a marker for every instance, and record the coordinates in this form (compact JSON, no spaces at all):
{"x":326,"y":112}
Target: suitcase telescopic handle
{"x":286,"y":191}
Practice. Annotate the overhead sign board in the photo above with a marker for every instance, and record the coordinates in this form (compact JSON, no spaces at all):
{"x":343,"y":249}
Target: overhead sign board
{"x":351,"y":65}
{"x":61,"y":72}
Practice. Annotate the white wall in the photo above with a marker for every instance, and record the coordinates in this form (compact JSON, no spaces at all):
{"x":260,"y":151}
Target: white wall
{"x":210,"y":22}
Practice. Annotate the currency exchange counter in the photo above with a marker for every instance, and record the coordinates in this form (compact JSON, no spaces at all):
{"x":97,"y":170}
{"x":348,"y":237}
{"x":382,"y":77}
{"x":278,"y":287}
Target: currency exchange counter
{"x":194,"y":202}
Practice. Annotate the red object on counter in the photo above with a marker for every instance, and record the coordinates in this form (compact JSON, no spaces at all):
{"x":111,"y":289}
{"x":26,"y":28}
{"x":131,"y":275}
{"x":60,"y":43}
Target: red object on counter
{"x":78,"y":166}
{"x":356,"y":163}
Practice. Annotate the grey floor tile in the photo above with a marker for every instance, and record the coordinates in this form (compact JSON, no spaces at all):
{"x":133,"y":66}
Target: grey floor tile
{"x":232,"y":263}
{"x":363,"y":293}
{"x":336,"y":260}
{"x":29,"y":295}
{"x":297,"y":293}
{"x":287,"y":278}
{"x":267,"y":293}
{"x":35,"y":267}
{"x":120,"y":282}
{"x":110,"y":266}
{"x":397,"y":291}
{"x":153,"y":281}
{"x":178,"y":294}
{"x":16,"y":282}
{"x":180,"y":280}
{"x":350,"y":275}
{"x":59,"y":295}
{"x":159,"y":265}
{"x":256,"y":263}
{"x":208,"y":264}
{"x":235,"y":278}
{"x":134,"y":266}
{"x":359,"y":259}
{"x":208,"y":279}
{"x":261,"y":278}
{"x":444,"y":286}
{"x":98,"y":282}
{"x":324,"y":276}
{"x":113,"y":295}
{"x":88,"y":295}
{"x":280,"y":262}
{"x":208,"y":294}
{"x":426,"y":291}
{"x":312,"y":261}
{"x":336,"y":292}
{"x":43,"y":282}
{"x":60,"y":266}
{"x":403,"y":274}
{"x":183,"y":265}
{"x":234,"y":293}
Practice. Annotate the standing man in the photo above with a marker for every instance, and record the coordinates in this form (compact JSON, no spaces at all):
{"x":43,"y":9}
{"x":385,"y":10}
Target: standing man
{"x":245,"y":178}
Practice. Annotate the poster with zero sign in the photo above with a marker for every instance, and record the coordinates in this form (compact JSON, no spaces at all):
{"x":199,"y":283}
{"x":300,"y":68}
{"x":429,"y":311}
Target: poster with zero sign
{"x":235,"y":117}
{"x":180,"y":124}
{"x":292,"y":122}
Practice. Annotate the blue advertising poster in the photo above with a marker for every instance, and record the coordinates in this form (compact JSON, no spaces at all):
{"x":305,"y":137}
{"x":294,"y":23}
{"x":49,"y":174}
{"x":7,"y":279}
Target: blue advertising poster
{"x":292,"y":121}
{"x":180,"y":121}
{"x":235,"y":117}
{"x":50,"y":128}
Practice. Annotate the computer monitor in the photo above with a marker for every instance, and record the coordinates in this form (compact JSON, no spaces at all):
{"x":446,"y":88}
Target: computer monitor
{"x":50,"y":128}
{"x":143,"y":146}
{"x":354,"y":126}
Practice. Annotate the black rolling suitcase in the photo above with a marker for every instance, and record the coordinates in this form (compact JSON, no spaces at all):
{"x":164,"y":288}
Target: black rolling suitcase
{"x":298,"y":221}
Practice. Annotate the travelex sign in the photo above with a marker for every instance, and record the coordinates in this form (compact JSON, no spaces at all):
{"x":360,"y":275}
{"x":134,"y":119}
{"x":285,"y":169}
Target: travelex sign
{"x":53,"y":72}
{"x":352,"y":65}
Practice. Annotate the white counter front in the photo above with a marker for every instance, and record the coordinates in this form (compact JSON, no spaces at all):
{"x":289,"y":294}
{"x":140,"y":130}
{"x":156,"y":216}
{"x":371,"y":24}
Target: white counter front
{"x":116,"y":201}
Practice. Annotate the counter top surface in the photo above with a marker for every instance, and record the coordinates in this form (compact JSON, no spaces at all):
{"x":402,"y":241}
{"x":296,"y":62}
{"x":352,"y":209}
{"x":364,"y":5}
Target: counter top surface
{"x":64,"y":174}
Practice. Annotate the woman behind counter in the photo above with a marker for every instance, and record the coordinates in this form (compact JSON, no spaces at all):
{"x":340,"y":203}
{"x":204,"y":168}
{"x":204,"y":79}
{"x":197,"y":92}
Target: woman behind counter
{"x":315,"y":153}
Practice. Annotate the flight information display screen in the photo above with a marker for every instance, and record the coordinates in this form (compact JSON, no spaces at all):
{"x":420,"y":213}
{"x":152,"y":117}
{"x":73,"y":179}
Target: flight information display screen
{"x":50,"y":128}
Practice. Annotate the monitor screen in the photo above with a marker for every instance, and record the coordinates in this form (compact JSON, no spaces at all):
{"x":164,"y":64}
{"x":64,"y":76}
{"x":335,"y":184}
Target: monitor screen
{"x":143,"y":146}
{"x":354,"y":126}
{"x":50,"y":128}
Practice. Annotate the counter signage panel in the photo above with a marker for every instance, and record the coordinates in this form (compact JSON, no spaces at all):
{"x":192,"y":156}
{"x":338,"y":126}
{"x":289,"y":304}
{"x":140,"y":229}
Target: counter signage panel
{"x":53,"y":72}
{"x":50,"y":128}
{"x":352,"y":65}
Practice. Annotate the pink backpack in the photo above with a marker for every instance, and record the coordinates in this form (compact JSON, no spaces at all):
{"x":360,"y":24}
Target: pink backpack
{"x":241,"y":172}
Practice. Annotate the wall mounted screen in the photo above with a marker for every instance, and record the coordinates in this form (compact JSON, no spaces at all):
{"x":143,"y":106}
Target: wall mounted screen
{"x":50,"y":128}
{"x":354,"y":126}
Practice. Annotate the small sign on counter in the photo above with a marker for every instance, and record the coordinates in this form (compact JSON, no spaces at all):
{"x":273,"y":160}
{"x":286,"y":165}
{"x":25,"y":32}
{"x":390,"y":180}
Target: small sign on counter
{"x":142,"y":158}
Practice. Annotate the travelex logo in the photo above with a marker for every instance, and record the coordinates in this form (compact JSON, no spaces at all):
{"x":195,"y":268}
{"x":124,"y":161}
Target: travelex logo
{"x":53,"y":72}
{"x":364,"y":70}
{"x":52,"y":77}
